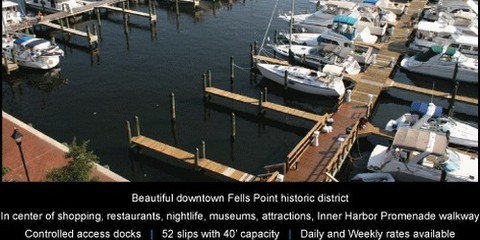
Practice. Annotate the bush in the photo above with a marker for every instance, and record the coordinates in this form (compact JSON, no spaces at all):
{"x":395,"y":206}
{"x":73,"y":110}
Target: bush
{"x":5,"y":170}
{"x":78,"y":168}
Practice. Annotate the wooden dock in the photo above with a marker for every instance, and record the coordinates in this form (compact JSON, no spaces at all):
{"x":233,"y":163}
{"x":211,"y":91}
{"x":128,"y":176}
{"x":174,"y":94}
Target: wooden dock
{"x":91,"y":38}
{"x":9,"y":65}
{"x":189,"y":159}
{"x":264,"y":104}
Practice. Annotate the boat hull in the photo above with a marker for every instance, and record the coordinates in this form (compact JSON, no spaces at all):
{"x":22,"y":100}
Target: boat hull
{"x":441,"y":71}
{"x":278,"y":76}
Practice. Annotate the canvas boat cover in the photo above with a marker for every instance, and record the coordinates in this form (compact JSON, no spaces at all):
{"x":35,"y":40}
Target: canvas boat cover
{"x":419,"y":140}
{"x":421,"y":108}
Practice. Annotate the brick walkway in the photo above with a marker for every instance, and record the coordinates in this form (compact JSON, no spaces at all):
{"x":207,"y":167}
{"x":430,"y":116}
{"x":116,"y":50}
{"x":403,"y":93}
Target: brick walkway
{"x":41,"y":153}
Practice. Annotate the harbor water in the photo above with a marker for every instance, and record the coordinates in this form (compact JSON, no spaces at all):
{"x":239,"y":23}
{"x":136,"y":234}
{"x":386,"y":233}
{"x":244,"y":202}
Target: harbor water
{"x":91,"y":96}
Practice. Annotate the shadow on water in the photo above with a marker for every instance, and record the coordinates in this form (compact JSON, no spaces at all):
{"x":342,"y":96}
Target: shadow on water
{"x":146,"y":168}
{"x":46,"y":81}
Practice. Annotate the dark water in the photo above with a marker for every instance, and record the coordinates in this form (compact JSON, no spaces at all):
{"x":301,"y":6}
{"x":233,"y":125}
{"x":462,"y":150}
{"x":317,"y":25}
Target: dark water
{"x":91,"y":97}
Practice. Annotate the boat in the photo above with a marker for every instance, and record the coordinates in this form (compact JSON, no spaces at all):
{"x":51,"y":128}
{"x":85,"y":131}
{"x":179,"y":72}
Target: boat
{"x":423,"y":154}
{"x":53,"y":6}
{"x":11,"y":15}
{"x":318,"y":56}
{"x":429,"y":116}
{"x":320,"y":20}
{"x":438,"y":32}
{"x":440,"y":61}
{"x":456,"y":8}
{"x":31,"y":52}
{"x":328,"y":82}
{"x":394,"y":7}
{"x":373,"y":177}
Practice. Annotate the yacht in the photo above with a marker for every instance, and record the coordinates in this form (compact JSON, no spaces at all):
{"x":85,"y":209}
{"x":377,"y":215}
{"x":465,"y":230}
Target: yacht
{"x":423,"y":154}
{"x":440,"y":61}
{"x":10,"y":15}
{"x":53,"y":6}
{"x":429,"y":116}
{"x":320,"y":55}
{"x":328,"y":82}
{"x":31,"y":52}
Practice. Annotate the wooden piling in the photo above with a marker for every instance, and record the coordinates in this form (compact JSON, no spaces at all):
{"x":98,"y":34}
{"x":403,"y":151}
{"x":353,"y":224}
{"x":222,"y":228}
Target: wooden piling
{"x":172,"y":107}
{"x":98,"y":17}
{"x":209,"y":78}
{"x":204,"y":150}
{"x":95,"y":33}
{"x":260,"y":103}
{"x":285,"y":78}
{"x":176,"y":7}
{"x":255,"y":49}
{"x":5,"y":60}
{"x":232,"y":69}
{"x":129,"y":132}
{"x":89,"y":36}
{"x":275,"y":37}
{"x":137,"y":124}
{"x":265,"y":92}
{"x":197,"y":159}
{"x":233,"y":131}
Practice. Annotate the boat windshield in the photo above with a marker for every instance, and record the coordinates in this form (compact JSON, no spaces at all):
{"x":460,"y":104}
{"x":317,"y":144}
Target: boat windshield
{"x":423,"y":57}
{"x":452,"y":163}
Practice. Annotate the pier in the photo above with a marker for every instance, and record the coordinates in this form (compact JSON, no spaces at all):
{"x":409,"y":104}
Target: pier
{"x":197,"y":161}
{"x":89,"y":7}
{"x":9,"y":65}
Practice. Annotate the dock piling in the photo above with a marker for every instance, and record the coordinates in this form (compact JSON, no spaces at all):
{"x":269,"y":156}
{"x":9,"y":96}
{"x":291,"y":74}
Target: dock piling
{"x":285,"y":78}
{"x":233,"y":128}
{"x":5,"y":60}
{"x":369,"y":104}
{"x":172,"y":107}
{"x":232,"y":69}
{"x":98,"y":17}
{"x":176,"y":8}
{"x":204,"y":150}
{"x":197,"y":159}
{"x":209,"y":76}
{"x":129,"y":132}
{"x":265,"y":91}
{"x":137,"y":124}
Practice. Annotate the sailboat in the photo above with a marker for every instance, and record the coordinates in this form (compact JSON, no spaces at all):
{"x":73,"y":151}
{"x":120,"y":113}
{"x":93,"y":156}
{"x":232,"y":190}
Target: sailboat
{"x":325,"y":82}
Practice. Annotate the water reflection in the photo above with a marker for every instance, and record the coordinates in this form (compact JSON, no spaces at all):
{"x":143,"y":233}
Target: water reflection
{"x":48,"y":82}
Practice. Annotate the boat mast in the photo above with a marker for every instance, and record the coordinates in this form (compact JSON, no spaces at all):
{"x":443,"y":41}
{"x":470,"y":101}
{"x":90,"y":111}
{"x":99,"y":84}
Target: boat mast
{"x":291,"y":24}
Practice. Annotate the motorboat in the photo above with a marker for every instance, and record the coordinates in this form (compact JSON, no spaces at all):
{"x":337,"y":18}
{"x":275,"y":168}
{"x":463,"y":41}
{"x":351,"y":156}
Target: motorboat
{"x":31,"y":52}
{"x":368,"y":9}
{"x":328,"y":82}
{"x":396,"y":8}
{"x":456,"y":8}
{"x":317,"y":56}
{"x":373,"y":177}
{"x":440,"y":61}
{"x":344,"y":33}
{"x":434,"y":33}
{"x":320,"y":20}
{"x":423,"y":154}
{"x":53,"y":6}
{"x":10,"y":15}
{"x":429,"y":116}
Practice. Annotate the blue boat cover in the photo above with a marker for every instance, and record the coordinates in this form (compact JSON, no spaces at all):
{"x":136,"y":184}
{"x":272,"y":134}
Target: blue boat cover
{"x":345,"y":19}
{"x":421,"y":108}
{"x":374,"y":2}
{"x":21,"y":40}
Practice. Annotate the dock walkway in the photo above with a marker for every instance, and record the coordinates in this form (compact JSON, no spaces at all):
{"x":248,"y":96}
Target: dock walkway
{"x":189,"y":159}
{"x":265,"y":104}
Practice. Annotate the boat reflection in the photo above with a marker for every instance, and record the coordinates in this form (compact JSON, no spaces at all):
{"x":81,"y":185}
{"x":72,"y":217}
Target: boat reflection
{"x":48,"y":82}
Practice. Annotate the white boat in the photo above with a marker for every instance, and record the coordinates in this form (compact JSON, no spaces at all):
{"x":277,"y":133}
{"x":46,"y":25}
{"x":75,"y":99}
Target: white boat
{"x":370,"y":10}
{"x":435,"y":33}
{"x":317,"y":56}
{"x":439,"y":61}
{"x":455,"y":8}
{"x":373,"y":177}
{"x":428,"y":116}
{"x":422,"y":153}
{"x":53,"y":6}
{"x":328,"y":82}
{"x":31,"y":52}
{"x":322,"y":19}
{"x":396,"y":8}
{"x":10,"y":15}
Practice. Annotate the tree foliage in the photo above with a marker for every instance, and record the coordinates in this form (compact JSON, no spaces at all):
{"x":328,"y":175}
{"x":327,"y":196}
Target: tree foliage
{"x":79,"y":166}
{"x":5,"y":170}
